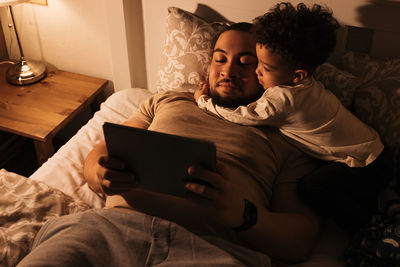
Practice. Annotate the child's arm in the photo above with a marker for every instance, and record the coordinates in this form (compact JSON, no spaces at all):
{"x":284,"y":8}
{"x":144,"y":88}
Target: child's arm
{"x":265,"y":111}
{"x":202,"y":90}
{"x":204,"y":101}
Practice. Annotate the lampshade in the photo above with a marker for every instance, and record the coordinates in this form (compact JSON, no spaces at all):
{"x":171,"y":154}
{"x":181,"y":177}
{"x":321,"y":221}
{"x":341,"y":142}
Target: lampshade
{"x":11,"y":2}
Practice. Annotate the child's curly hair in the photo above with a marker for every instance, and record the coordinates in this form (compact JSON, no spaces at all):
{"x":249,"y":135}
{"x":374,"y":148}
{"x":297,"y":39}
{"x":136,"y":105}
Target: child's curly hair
{"x":304,"y":37}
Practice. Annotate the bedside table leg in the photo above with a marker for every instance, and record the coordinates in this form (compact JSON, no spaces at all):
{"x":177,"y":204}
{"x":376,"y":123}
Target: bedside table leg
{"x":44,"y":150}
{"x":95,"y":104}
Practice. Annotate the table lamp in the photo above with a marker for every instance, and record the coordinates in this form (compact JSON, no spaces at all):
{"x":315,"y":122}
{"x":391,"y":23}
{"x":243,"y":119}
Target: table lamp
{"x":23,"y":72}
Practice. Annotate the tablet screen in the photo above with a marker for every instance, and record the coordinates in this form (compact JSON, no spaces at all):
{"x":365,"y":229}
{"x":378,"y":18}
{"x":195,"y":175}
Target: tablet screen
{"x":158,"y":160}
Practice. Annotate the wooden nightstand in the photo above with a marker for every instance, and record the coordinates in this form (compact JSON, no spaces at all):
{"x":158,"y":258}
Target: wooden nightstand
{"x":39,"y":111}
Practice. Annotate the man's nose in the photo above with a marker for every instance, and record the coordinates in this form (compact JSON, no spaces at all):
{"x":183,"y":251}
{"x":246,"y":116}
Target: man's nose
{"x":230,"y":70}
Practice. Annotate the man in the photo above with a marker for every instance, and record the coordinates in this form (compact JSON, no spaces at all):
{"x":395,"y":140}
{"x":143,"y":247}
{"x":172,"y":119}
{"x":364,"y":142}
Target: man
{"x":251,"y":201}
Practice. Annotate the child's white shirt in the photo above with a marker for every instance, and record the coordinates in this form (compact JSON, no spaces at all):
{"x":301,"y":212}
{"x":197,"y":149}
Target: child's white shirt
{"x":313,"y":119}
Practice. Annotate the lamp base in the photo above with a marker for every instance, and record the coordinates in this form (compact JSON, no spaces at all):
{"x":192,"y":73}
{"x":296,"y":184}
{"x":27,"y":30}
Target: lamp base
{"x":26,"y":72}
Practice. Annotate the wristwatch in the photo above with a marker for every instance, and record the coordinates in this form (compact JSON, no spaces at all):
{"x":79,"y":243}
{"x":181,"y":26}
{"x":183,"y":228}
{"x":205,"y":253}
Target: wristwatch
{"x":249,"y":216}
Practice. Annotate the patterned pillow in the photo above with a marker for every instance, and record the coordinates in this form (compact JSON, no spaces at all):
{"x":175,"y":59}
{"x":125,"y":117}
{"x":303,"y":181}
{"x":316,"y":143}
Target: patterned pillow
{"x":377,"y":98}
{"x":377,"y":102}
{"x":354,"y":62}
{"x":340,"y":82}
{"x":187,"y":50}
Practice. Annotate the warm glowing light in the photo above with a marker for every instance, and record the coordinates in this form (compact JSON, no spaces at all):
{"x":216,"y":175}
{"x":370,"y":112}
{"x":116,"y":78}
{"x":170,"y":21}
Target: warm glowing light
{"x":11,"y":2}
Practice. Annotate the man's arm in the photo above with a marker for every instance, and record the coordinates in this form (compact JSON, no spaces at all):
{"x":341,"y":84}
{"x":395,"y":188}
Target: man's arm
{"x":285,"y":232}
{"x":283,"y":235}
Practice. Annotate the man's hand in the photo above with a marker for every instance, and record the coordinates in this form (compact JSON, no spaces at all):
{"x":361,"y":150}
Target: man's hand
{"x":105,"y":174}
{"x":108,"y":175}
{"x":202,"y":90}
{"x":219,"y":195}
{"x":114,"y":177}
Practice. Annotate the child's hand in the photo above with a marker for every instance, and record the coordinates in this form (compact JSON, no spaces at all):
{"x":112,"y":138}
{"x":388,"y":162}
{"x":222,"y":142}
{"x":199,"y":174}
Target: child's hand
{"x":202,"y":90}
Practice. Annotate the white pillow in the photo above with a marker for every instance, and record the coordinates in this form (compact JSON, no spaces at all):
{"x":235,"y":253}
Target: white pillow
{"x":64,"y":170}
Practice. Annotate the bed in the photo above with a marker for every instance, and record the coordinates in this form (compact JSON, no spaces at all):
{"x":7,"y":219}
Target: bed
{"x":366,"y":83}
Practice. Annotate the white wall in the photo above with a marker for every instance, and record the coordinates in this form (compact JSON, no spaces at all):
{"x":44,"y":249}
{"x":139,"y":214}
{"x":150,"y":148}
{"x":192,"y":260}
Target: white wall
{"x":155,"y":12}
{"x":380,"y":15}
{"x":83,"y":36}
{"x":115,"y":40}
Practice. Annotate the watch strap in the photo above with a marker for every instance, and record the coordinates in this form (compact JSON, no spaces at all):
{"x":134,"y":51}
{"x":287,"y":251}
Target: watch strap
{"x":249,"y":216}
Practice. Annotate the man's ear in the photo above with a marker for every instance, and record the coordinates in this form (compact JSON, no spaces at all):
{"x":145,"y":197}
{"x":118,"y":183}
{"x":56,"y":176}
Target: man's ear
{"x":299,"y":75}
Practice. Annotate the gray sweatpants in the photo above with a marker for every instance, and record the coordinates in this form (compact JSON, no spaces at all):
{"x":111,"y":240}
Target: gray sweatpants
{"x":102,"y":237}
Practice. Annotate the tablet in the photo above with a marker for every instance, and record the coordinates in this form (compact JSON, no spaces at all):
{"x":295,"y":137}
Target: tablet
{"x":158,"y":160}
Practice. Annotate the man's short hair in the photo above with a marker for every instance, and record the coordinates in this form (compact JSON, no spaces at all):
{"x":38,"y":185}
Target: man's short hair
{"x":238,"y":26}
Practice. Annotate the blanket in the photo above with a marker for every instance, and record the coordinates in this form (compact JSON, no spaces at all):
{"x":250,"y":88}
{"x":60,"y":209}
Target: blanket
{"x":25,"y":205}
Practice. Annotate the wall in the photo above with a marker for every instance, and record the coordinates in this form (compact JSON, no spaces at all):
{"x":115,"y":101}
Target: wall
{"x":380,"y":15}
{"x":115,"y":40}
{"x":3,"y":49}
{"x":135,"y":40}
{"x":86,"y":37}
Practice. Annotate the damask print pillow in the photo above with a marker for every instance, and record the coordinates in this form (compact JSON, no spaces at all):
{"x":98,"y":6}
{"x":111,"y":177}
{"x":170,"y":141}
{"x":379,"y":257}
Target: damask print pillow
{"x":377,"y":102}
{"x":187,"y":50}
{"x":377,"y":98}
{"x":354,"y":62}
{"x":341,"y":83}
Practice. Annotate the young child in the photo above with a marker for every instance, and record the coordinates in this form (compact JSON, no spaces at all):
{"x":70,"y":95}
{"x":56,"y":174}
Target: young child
{"x":291,"y":43}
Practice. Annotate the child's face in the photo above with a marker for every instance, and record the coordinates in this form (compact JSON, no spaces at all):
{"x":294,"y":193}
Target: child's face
{"x":271,"y":70}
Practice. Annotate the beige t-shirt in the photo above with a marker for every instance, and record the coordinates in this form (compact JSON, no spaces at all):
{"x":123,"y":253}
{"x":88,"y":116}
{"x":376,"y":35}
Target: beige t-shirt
{"x":313,"y":119}
{"x":259,"y":160}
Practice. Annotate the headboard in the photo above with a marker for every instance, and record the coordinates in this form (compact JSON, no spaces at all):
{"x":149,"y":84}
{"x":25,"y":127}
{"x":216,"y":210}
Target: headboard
{"x":371,"y":26}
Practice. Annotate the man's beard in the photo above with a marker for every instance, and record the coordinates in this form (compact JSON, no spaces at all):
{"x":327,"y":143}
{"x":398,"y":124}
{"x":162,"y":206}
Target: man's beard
{"x":235,"y":102}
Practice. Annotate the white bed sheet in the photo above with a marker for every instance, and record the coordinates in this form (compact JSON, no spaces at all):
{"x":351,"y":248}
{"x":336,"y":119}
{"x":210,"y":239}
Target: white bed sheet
{"x":64,"y":170}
